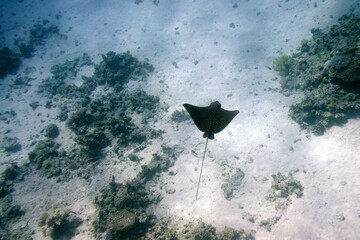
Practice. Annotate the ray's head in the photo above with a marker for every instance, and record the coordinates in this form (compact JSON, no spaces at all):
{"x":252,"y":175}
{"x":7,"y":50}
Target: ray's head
{"x":215,"y":105}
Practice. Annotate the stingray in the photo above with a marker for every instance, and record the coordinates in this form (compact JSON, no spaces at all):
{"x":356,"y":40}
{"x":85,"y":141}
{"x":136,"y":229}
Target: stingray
{"x":210,"y":120}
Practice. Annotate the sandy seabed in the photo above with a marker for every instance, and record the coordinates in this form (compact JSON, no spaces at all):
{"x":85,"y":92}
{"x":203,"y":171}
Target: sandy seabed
{"x":221,"y":53}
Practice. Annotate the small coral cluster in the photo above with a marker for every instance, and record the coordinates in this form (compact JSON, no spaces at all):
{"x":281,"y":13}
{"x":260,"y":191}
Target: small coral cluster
{"x":60,"y":223}
{"x":284,"y":186}
{"x":106,"y":119}
{"x":9,"y":62}
{"x":116,"y":69}
{"x":202,"y":231}
{"x":53,"y":162}
{"x":46,"y":156}
{"x":122,"y":207}
{"x":232,"y":183}
{"x":7,"y":179}
{"x":283,"y":65}
{"x":10,"y":213}
{"x":327,"y":69}
{"x":180,"y":116}
{"x":61,"y":73}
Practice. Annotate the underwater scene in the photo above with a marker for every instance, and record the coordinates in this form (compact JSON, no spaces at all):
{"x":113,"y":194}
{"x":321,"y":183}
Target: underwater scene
{"x":192,"y":119}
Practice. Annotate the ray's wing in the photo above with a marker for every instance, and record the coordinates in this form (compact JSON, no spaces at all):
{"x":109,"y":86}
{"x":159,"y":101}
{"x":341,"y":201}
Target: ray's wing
{"x":222,"y":119}
{"x":200,"y":116}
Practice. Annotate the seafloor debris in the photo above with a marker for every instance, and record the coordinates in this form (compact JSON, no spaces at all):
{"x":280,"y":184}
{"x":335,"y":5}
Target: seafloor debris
{"x":327,"y":69}
{"x":60,"y":223}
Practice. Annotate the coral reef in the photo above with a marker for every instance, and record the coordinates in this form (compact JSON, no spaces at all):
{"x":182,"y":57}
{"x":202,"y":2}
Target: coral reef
{"x":9,"y":62}
{"x":268,"y":223}
{"x":52,"y":131}
{"x":79,"y":121}
{"x":38,"y":35}
{"x":7,"y":179}
{"x":93,"y":141}
{"x":7,"y":116}
{"x":232,"y":234}
{"x":40,"y":32}
{"x":119,"y":203}
{"x":45,"y":156}
{"x":96,"y":123}
{"x":327,"y":69}
{"x":180,"y":116}
{"x":56,"y":84}
{"x":116,"y":69}
{"x":70,"y":68}
{"x":127,"y":202}
{"x":283,"y":65}
{"x":53,"y":162}
{"x":10,"y":213}
{"x":34,"y":105}
{"x":284,"y":186}
{"x":60,"y":224}
{"x":10,"y":144}
{"x":202,"y":231}
{"x":26,"y":50}
{"x":111,"y":116}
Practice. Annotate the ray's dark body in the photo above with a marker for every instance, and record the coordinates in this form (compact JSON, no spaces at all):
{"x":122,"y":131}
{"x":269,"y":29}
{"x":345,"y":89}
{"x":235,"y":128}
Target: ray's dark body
{"x":212,"y":119}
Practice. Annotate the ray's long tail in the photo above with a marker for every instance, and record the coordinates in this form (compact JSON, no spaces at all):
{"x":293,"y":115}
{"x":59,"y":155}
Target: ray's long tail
{"x":202,"y":164}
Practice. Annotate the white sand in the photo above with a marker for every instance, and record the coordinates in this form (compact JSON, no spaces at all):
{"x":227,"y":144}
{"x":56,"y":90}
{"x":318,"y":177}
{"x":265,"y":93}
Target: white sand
{"x":231,"y":69}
